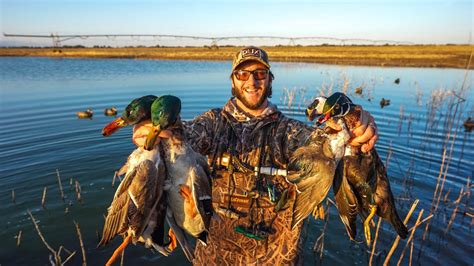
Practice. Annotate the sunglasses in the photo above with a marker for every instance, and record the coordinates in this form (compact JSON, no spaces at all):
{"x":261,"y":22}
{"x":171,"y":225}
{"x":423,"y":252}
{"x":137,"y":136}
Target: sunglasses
{"x":258,"y":74}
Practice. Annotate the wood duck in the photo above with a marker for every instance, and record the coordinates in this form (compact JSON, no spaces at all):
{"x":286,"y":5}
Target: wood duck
{"x":360,"y":176}
{"x":314,"y":166}
{"x":135,"y":112}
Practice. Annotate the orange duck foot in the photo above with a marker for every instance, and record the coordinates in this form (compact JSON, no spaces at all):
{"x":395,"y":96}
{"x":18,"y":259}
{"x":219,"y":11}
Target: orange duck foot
{"x":173,"y":243}
{"x":189,"y":204}
{"x":119,"y":250}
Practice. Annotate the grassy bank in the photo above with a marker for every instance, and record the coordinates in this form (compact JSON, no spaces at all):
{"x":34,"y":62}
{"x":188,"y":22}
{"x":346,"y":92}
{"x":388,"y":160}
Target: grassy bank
{"x":451,"y":56}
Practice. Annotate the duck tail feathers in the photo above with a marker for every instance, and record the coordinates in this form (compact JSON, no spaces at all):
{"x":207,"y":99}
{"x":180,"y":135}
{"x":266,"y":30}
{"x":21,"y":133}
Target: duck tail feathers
{"x":399,"y":226}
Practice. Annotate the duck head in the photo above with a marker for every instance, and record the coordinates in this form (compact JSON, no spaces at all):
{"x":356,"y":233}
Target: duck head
{"x":135,"y":112}
{"x":165,"y":112}
{"x":336,"y":105}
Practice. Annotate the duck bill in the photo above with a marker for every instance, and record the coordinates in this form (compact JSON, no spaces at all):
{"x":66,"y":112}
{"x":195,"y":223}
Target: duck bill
{"x":311,"y":114}
{"x":323,"y":118}
{"x":113,"y":126}
{"x":152,"y":138}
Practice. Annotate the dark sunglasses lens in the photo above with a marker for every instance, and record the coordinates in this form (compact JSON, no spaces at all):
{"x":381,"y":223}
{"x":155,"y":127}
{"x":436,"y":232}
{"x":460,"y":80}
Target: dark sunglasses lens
{"x":242,"y":75}
{"x":260,"y":74}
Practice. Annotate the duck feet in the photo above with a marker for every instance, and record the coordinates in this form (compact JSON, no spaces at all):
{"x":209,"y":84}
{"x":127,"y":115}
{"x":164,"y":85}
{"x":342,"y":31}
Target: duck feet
{"x":189,"y":203}
{"x":367,"y":223}
{"x":173,"y":242}
{"x":119,"y":250}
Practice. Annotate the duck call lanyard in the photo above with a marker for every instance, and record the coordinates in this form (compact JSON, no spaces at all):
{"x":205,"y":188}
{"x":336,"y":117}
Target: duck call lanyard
{"x":257,"y":231}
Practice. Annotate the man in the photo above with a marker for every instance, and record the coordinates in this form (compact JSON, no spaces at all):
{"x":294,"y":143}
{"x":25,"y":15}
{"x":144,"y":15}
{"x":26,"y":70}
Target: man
{"x":255,"y":207}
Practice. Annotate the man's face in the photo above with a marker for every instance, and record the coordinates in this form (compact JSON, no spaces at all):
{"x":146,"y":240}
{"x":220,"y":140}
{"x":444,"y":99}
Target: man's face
{"x":252,"y":92}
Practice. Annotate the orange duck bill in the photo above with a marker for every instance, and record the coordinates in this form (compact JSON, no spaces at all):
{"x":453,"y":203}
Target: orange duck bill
{"x":113,"y":126}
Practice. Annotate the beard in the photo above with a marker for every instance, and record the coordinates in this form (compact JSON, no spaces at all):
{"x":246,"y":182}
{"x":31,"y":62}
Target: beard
{"x":239,"y":94}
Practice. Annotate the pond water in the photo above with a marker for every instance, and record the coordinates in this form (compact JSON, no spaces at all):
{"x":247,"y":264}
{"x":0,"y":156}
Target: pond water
{"x":40,"y":133}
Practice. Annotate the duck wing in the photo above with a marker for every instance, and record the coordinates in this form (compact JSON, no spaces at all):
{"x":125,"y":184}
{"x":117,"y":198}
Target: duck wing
{"x":116,"y":221}
{"x":315,"y":173}
{"x":132,"y":206}
{"x":180,"y":235}
{"x":201,"y":180}
{"x":346,"y":201}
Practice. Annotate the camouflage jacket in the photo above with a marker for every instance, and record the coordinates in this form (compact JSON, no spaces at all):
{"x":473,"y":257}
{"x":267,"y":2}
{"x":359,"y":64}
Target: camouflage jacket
{"x":269,"y":140}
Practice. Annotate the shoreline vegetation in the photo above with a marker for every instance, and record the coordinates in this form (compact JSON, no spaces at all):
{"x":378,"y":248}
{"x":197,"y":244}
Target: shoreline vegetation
{"x":434,"y":56}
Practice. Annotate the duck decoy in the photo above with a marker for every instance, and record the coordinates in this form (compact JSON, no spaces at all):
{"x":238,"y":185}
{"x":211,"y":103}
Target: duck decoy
{"x":468,"y":124}
{"x":135,"y":112}
{"x":384,"y":102}
{"x":188,"y":186}
{"x":85,"y":114}
{"x":397,"y":81}
{"x":358,"y":90}
{"x":110,"y":111}
{"x":138,"y":209}
{"x":364,"y":172}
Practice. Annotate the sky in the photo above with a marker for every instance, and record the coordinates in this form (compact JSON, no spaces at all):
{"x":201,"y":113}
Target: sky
{"x":414,"y":21}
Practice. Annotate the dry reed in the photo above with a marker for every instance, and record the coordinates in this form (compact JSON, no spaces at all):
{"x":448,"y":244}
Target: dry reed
{"x":54,"y":254}
{"x":18,"y":239}
{"x":375,"y":240}
{"x":60,"y":184}
{"x":78,"y":191}
{"x":78,"y":230}
{"x":411,"y":237}
{"x":43,"y":198}
{"x":397,"y":239}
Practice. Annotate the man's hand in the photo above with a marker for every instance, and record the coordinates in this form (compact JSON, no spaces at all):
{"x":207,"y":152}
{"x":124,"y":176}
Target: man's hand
{"x":141,"y":130}
{"x":365,"y":133}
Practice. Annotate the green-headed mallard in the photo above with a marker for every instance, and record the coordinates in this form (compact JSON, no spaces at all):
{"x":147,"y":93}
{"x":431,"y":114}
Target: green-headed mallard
{"x":365,"y":172}
{"x":138,"y":209}
{"x":135,"y":112}
{"x":188,"y":186}
{"x":164,"y":113}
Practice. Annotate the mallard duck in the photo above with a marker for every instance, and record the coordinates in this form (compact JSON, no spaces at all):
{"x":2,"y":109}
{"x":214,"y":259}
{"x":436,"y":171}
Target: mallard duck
{"x":110,"y":111}
{"x":358,"y":90}
{"x":135,"y":112}
{"x":188,"y":186}
{"x":137,"y":211}
{"x":364,"y":172}
{"x":189,"y":189}
{"x":164,"y":112}
{"x":85,"y":114}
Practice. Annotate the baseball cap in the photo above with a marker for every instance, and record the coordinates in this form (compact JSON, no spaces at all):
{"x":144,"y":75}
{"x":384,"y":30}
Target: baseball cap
{"x":250,"y":53}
